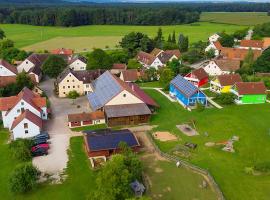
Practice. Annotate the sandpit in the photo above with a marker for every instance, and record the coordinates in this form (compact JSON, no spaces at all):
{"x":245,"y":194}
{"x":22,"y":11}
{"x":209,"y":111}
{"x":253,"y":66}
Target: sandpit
{"x":164,"y":136}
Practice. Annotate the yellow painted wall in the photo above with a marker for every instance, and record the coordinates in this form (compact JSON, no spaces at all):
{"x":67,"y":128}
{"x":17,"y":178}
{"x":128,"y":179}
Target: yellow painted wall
{"x":226,"y":89}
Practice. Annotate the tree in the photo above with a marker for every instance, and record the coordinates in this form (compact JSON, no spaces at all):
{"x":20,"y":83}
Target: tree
{"x":24,"y":178}
{"x":192,"y":56}
{"x":99,"y":59}
{"x":262,"y":64}
{"x":173,"y":38}
{"x":225,"y":98}
{"x":73,"y":95}
{"x":21,"y":149}
{"x":166,"y":75}
{"x":2,"y":34}
{"x":210,"y":54}
{"x":169,"y":38}
{"x":240,"y":34}
{"x":23,"y":80}
{"x":53,"y":66}
{"x":119,"y":56}
{"x":159,"y":39}
{"x":247,"y":65}
{"x":133,"y":64}
{"x":183,"y":43}
{"x":5,"y":44}
{"x":226,"y":40}
{"x":174,"y":65}
{"x":151,"y":74}
{"x":135,"y":42}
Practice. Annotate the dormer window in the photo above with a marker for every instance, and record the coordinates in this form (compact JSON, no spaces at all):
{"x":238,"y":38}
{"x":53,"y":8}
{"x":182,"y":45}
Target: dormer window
{"x":22,"y":103}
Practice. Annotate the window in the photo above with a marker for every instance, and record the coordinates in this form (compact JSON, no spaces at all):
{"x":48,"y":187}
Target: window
{"x":25,"y":125}
{"x":63,"y":87}
{"x":87,"y":86}
{"x":26,"y":131}
{"x":22,"y":109}
{"x":22,"y":103}
{"x":68,"y":86}
{"x":64,"y":93}
{"x":78,"y":86}
{"x":124,"y":95}
{"x":73,"y":80}
{"x":26,"y":62}
{"x":18,"y":111}
{"x":73,"y":86}
{"x":67,"y":80}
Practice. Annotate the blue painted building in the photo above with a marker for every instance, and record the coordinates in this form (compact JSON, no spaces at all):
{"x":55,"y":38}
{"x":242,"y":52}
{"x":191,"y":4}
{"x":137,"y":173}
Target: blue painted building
{"x":186,"y":93}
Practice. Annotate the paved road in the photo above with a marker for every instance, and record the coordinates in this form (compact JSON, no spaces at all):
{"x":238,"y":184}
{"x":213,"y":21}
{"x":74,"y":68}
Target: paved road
{"x":56,"y":161}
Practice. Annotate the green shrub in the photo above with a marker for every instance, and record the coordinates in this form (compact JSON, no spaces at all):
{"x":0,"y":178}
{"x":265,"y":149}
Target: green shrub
{"x":24,"y":178}
{"x":21,"y":149}
{"x":225,"y":98}
{"x":262,"y":167}
{"x":199,"y":107}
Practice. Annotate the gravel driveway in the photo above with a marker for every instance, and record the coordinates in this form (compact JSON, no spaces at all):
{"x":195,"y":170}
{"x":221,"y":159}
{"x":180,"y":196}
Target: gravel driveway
{"x":56,"y":161}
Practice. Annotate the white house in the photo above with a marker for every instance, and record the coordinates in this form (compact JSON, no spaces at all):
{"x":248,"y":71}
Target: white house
{"x":213,"y":38}
{"x":78,"y":63}
{"x":221,"y":66}
{"x":216,"y":46}
{"x":12,"y":107}
{"x":26,"y":125}
{"x":8,"y":73}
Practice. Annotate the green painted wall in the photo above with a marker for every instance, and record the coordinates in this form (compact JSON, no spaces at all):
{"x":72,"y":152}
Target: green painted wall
{"x":260,"y":98}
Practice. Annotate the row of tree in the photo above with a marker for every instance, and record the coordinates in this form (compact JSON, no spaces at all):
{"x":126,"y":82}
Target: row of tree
{"x":88,"y":15}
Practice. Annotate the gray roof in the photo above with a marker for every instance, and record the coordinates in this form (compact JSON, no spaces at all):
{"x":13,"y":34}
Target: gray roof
{"x":164,"y":57}
{"x":105,"y":88}
{"x":127,"y":110}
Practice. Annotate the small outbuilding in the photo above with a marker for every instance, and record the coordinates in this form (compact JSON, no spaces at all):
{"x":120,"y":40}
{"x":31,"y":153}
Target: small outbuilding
{"x":197,"y":77}
{"x":85,"y":119}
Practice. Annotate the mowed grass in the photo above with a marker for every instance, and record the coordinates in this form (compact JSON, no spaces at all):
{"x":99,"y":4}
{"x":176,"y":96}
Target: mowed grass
{"x":26,"y":35}
{"x":169,"y":182}
{"x":237,"y":18}
{"x":249,"y":122}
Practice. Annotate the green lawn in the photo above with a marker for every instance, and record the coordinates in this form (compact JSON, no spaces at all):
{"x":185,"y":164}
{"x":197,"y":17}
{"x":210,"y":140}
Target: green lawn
{"x":249,"y":122}
{"x":238,"y":18}
{"x":27,"y":35}
{"x":93,"y":127}
{"x":169,"y":182}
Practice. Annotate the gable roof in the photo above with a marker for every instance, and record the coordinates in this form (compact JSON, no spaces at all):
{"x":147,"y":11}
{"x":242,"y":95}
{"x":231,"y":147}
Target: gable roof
{"x":131,"y":75}
{"x":6,"y":80}
{"x":164,"y":57}
{"x":229,"y":79}
{"x":252,"y":43}
{"x":119,"y":66}
{"x":62,"y":51}
{"x":175,"y":52}
{"x":74,"y":58}
{"x":184,"y":86}
{"x":7,"y":103}
{"x":199,"y":73}
{"x":218,"y":45}
{"x":8,"y":66}
{"x":37,"y":59}
{"x":237,"y":53}
{"x":126,"y":110}
{"x":145,"y":58}
{"x":228,"y":64}
{"x":85,"y":116}
{"x":155,"y":52}
{"x":86,"y":76}
{"x":107,"y":139}
{"x":27,"y":115}
{"x":250,"y":88}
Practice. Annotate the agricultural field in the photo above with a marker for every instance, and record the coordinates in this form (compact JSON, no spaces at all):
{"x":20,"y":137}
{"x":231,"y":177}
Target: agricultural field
{"x":86,"y":37}
{"x":237,"y":18}
{"x":249,"y":122}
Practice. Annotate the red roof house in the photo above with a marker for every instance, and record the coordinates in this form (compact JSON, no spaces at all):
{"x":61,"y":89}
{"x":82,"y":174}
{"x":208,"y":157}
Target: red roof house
{"x":197,"y":77}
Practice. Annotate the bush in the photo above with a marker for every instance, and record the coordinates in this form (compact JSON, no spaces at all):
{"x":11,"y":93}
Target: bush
{"x":225,"y":98}
{"x":263,"y":167}
{"x":24,"y":178}
{"x":199,"y":107}
{"x":21,"y":149}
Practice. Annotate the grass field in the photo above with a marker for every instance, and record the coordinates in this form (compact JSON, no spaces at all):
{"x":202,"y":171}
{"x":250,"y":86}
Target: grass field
{"x":87,"y":37}
{"x":249,"y":122}
{"x":237,"y":18}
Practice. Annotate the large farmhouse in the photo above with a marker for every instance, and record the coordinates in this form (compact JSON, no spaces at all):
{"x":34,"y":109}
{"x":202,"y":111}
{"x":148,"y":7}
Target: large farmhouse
{"x":221,"y":66}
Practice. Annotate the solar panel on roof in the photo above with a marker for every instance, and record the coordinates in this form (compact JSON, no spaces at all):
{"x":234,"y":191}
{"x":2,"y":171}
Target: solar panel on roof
{"x":184,"y":86}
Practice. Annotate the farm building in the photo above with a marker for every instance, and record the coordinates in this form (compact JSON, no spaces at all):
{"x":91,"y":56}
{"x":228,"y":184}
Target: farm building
{"x":131,"y":75}
{"x":224,"y":83}
{"x":221,"y":66}
{"x":197,"y":77}
{"x":215,"y":46}
{"x":237,"y":53}
{"x":78,"y":63}
{"x":117,"y":68}
{"x":249,"y":92}
{"x":105,"y":142}
{"x":253,"y":44}
{"x":63,"y":51}
{"x":86,"y":119}
{"x":122,"y":103}
{"x":186,"y":93}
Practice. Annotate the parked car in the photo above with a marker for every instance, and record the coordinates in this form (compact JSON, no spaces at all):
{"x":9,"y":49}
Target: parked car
{"x":191,"y":145}
{"x":42,"y":135}
{"x":40,"y":146}
{"x":39,"y":141}
{"x":40,"y":152}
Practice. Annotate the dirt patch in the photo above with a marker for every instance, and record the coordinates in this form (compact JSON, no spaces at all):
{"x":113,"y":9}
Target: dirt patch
{"x":187,"y":130}
{"x":164,"y":136}
{"x":158,"y":170}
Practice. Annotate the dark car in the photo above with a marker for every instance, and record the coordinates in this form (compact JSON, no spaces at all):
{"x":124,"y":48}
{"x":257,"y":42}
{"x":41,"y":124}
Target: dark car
{"x":42,"y":135}
{"x":191,"y":145}
{"x":39,"y":141}
{"x":39,"y":152}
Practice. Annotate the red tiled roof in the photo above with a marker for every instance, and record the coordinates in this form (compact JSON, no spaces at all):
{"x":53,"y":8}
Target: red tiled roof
{"x":9,"y":66}
{"x":199,"y":73}
{"x":27,"y":115}
{"x":6,"y":80}
{"x":175,"y":52}
{"x":227,"y":64}
{"x":250,"y":88}
{"x":155,"y":52}
{"x":62,"y":51}
{"x":119,"y":66}
{"x":85,"y":116}
{"x":266,"y":42}
{"x":131,"y":75}
{"x":218,"y":45}
{"x":252,"y":43}
{"x":238,"y":54}
{"x":145,"y":58}
{"x":229,"y":79}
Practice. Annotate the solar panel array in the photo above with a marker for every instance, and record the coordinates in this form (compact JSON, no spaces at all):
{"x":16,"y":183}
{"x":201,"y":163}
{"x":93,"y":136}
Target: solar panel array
{"x":105,"y":88}
{"x":105,"y":140}
{"x":187,"y":88}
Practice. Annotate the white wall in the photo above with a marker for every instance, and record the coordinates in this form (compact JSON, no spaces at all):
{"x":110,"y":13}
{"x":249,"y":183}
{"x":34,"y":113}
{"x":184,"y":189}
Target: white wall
{"x":124,"y":97}
{"x":214,"y":38}
{"x":25,"y":65}
{"x":78,"y":65}
{"x":5,"y":72}
{"x":87,"y":88}
{"x":19,"y":130}
{"x":156,"y":63}
{"x":212,"y":69}
{"x":212,"y":46}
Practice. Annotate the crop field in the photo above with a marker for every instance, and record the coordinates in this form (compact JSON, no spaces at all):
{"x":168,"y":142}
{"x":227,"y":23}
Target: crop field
{"x":237,"y":18}
{"x":38,"y":37}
